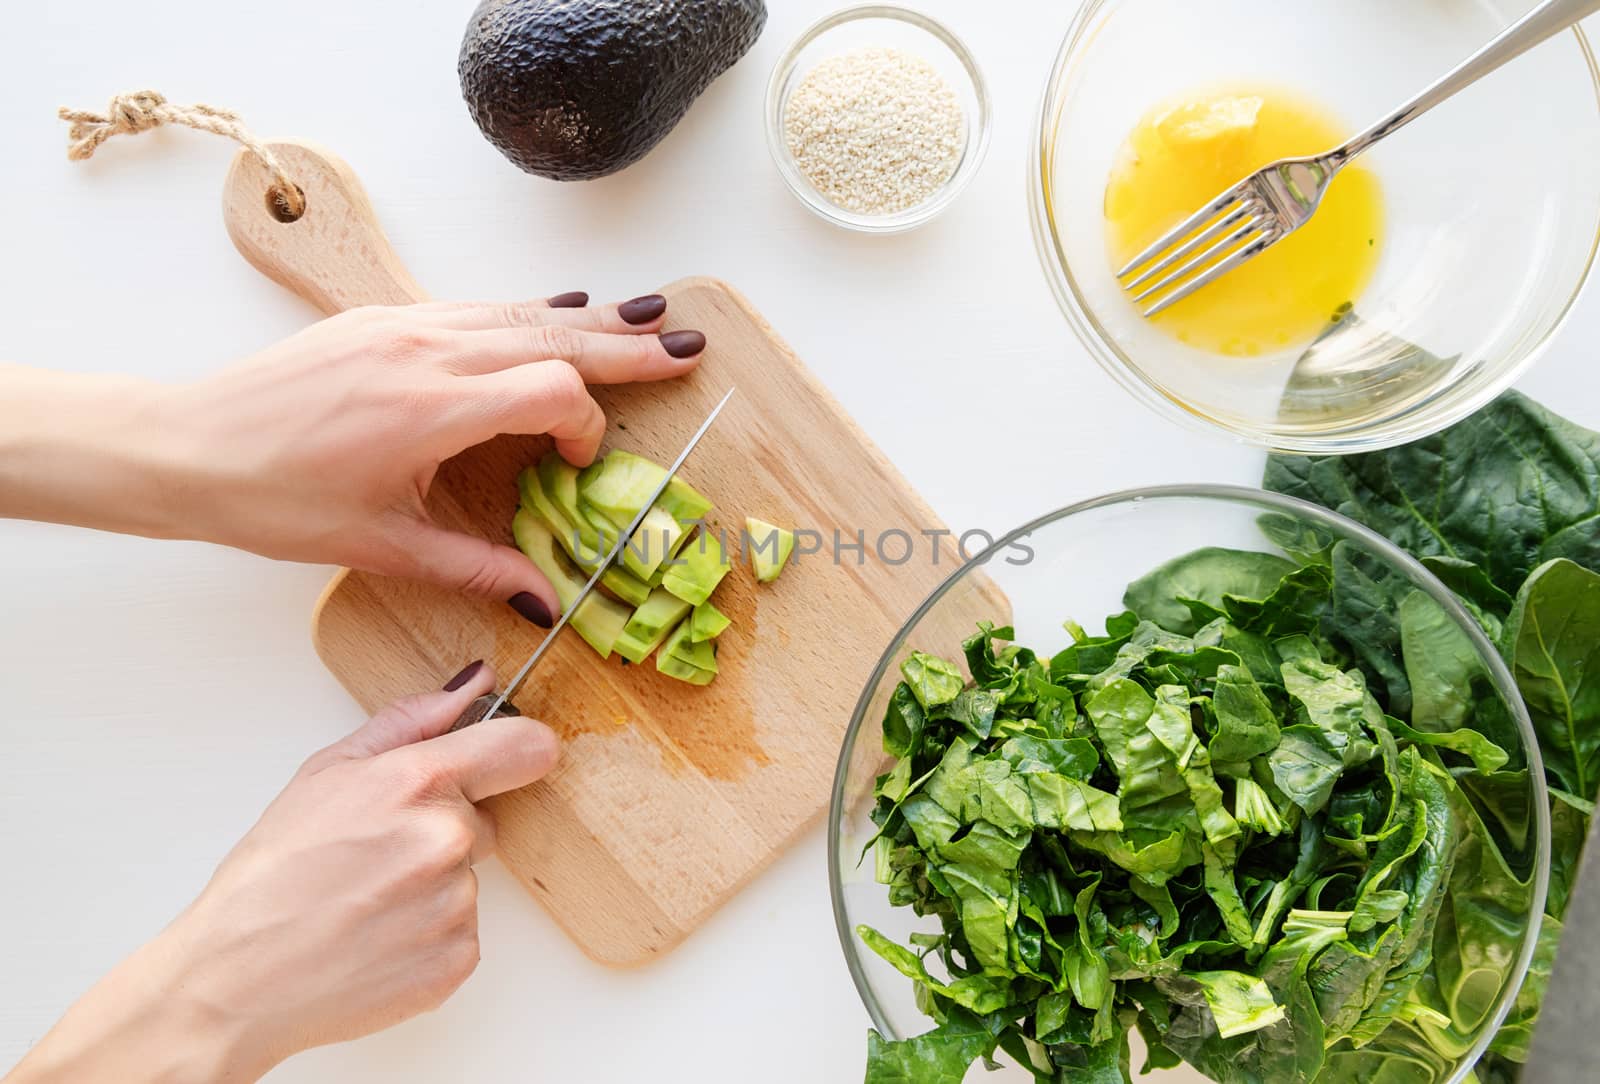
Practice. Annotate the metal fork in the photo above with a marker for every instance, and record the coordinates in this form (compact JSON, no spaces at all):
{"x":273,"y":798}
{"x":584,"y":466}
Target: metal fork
{"x":1273,"y":202}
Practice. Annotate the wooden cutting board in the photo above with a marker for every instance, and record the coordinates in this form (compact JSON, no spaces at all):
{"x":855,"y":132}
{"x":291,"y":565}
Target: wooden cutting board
{"x":668,"y":797}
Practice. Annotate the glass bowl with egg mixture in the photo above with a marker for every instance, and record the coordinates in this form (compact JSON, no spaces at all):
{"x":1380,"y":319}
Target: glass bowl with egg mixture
{"x":1438,"y":269}
{"x":850,"y":88}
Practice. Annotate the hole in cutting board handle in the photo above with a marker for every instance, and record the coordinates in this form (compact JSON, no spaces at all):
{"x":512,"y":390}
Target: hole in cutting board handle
{"x":278,"y":204}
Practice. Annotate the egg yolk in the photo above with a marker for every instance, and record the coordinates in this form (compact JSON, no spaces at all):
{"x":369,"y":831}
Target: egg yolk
{"x":1180,"y":157}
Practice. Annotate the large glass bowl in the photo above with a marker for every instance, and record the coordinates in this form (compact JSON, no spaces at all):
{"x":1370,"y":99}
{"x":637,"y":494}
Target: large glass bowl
{"x":1081,"y":559}
{"x":1492,"y":206}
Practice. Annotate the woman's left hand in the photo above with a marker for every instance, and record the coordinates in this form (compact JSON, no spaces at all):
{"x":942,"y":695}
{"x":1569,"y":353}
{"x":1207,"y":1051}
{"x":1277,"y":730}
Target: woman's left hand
{"x":323,"y":447}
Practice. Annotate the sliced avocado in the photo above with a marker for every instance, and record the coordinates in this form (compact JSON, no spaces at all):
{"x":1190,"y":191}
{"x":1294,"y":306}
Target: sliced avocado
{"x":559,"y":480}
{"x":697,"y":570}
{"x":770,"y":548}
{"x":657,"y":538}
{"x":599,"y":620}
{"x":701,"y":656}
{"x":649,"y":547}
{"x":620,"y":483}
{"x":685,"y":660}
{"x":650,"y":624}
{"x":619,"y":581}
{"x":707,"y":623}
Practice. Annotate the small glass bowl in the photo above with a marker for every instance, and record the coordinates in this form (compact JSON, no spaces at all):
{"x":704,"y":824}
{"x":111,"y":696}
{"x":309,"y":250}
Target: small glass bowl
{"x":1492,"y":207}
{"x":895,"y":27}
{"x":1075,"y":563}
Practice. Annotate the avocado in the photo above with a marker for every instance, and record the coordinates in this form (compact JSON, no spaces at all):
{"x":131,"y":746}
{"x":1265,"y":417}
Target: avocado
{"x":620,"y":483}
{"x":770,"y":548}
{"x":685,"y":660}
{"x":650,"y":624}
{"x":707,"y":623}
{"x":697,"y":570}
{"x":559,"y":480}
{"x":576,"y":89}
{"x":616,"y":579}
{"x":599,"y":620}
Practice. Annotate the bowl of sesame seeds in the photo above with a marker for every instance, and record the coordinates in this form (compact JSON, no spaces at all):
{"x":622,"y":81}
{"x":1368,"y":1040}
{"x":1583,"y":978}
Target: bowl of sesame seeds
{"x":877,"y":117}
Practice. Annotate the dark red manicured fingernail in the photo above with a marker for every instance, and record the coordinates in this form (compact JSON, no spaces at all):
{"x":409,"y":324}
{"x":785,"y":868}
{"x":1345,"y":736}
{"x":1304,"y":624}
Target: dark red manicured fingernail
{"x":683,"y":344}
{"x":466,"y":675}
{"x":532,"y":607}
{"x":641,"y":310}
{"x":577,"y":299}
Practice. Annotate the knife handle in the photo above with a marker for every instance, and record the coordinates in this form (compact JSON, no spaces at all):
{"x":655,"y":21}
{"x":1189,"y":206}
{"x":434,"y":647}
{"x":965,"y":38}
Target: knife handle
{"x":479,"y":708}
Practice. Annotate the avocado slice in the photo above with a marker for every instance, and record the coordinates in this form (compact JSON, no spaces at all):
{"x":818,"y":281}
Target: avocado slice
{"x":573,"y":89}
{"x":770,"y":548}
{"x":697,"y":570}
{"x":559,"y":480}
{"x":707,"y":623}
{"x":616,"y":579}
{"x":650,"y":624}
{"x":681,"y":658}
{"x":599,"y":620}
{"x":619,"y":484}
{"x":657,"y":538}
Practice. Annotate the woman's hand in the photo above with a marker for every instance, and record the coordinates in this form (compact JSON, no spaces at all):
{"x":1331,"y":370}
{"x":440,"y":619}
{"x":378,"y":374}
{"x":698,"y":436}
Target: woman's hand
{"x":322,"y":448}
{"x":350,"y":906}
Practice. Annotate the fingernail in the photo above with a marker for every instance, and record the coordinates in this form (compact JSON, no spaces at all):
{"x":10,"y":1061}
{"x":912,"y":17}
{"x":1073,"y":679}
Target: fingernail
{"x":532,"y":607}
{"x":577,"y":299}
{"x":683,"y":344}
{"x":641,"y":310}
{"x":466,"y":675}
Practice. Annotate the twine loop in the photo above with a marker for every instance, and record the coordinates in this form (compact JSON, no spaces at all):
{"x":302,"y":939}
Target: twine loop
{"x":142,"y":110}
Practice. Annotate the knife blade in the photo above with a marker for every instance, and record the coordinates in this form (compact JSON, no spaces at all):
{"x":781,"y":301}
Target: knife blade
{"x":490,"y":704}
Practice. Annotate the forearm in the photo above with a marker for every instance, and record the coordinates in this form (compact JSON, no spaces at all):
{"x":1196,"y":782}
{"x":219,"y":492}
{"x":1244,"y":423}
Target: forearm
{"x":145,"y":1023}
{"x":89,"y":450}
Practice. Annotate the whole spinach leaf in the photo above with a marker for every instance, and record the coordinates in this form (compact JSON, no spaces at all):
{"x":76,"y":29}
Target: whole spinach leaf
{"x":1507,"y":489}
{"x":1552,"y":642}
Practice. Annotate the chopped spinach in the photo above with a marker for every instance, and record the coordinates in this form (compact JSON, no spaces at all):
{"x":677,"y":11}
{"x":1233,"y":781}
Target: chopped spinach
{"x":1210,"y":824}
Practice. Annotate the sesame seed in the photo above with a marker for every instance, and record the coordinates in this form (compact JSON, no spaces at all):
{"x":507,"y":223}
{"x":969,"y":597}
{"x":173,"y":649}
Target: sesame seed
{"x":875,"y":131}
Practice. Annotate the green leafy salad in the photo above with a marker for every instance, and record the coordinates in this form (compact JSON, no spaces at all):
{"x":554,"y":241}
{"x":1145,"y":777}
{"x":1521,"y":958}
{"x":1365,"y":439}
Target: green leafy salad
{"x":1274,"y":819}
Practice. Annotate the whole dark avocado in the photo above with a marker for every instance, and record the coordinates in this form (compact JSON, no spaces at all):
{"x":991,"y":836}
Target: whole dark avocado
{"x":575,"y":89}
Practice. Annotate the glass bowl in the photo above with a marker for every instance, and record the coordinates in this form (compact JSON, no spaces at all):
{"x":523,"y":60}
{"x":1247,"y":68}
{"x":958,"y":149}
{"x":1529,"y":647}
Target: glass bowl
{"x":1492,"y":207}
{"x":1074,"y":564}
{"x":895,"y":27}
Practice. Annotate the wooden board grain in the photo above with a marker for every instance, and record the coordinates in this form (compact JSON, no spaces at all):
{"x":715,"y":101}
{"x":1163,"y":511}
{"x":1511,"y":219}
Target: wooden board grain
{"x":668,"y":797}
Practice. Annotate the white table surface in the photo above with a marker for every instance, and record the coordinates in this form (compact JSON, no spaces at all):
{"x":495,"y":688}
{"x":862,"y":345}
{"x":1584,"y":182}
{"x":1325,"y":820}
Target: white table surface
{"x":156,"y":695}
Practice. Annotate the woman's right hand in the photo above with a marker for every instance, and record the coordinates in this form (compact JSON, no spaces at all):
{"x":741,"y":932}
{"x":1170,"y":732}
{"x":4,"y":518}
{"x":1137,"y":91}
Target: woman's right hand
{"x":350,"y":906}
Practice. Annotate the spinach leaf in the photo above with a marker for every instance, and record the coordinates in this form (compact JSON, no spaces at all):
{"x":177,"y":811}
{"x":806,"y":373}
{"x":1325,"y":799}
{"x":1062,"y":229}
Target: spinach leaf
{"x":932,"y":680}
{"x":1569,"y":828}
{"x":1507,"y":489}
{"x":1552,"y":642}
{"x":1440,"y":663}
{"x":1239,"y":1003}
{"x":941,"y":1056}
{"x":1206,"y":575}
{"x":1246,"y":724}
{"x":903,"y":722}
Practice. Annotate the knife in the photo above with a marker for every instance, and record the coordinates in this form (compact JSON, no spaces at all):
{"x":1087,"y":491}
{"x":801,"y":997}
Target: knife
{"x":491,"y":704}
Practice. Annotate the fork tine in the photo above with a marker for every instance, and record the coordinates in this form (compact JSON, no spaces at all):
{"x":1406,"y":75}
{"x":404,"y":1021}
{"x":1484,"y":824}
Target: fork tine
{"x":1221,"y":227}
{"x":1188,"y":225}
{"x":1255,"y":248}
{"x":1195,"y":264}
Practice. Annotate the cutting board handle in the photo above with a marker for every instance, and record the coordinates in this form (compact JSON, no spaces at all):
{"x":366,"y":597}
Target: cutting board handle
{"x":335,"y":255}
